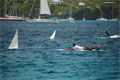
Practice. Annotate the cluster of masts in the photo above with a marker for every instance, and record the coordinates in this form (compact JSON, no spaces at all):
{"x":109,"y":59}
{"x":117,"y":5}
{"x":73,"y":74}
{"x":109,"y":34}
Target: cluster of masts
{"x":101,"y":11}
{"x":45,"y":13}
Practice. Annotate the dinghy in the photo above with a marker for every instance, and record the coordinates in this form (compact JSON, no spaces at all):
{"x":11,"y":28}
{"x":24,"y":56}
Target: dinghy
{"x":53,"y":35}
{"x":14,"y":43}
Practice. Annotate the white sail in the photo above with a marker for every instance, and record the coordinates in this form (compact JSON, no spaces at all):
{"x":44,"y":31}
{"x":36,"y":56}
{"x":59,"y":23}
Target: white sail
{"x":14,"y":43}
{"x":44,"y":13}
{"x":53,"y":35}
{"x":44,"y":9}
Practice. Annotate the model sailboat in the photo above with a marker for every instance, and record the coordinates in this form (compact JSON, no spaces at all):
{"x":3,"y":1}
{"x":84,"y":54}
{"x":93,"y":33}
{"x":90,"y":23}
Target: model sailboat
{"x":53,"y":35}
{"x":14,"y":43}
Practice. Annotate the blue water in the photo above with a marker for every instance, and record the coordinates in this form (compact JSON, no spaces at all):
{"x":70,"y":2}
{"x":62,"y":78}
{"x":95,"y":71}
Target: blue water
{"x":38,"y":58}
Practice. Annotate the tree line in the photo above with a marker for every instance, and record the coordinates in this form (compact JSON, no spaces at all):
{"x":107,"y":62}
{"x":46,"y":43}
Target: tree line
{"x":92,"y":8}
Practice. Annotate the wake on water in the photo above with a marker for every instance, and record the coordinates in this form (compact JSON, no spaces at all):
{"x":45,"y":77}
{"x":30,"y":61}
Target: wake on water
{"x":80,"y":50}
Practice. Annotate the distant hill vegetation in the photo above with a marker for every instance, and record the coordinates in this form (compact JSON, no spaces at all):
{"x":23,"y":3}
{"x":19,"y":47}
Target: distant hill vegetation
{"x":92,"y":8}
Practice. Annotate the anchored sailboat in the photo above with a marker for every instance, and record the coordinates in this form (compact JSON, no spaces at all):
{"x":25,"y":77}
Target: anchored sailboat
{"x":53,"y":35}
{"x":83,"y":4}
{"x":44,"y":13}
{"x":112,"y":11}
{"x":14,"y":43}
{"x":10,"y":17}
{"x":71,"y":19}
{"x":101,"y":16}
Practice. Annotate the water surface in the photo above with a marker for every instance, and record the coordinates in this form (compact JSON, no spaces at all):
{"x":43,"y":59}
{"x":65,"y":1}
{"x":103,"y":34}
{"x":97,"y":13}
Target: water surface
{"x":38,"y":58}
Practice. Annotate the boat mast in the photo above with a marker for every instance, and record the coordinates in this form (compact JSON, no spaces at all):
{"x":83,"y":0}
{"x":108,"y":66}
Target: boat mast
{"x":39,"y":10}
{"x":101,"y":12}
{"x":31,"y":8}
{"x":16,"y":8}
{"x":5,"y":8}
{"x":84,"y":13}
{"x":70,"y":10}
{"x":101,"y":9}
{"x":112,"y":11}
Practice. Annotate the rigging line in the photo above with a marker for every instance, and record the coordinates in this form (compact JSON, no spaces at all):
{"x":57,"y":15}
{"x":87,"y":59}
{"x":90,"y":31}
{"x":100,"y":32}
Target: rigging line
{"x":31,"y":8}
{"x":100,"y":28}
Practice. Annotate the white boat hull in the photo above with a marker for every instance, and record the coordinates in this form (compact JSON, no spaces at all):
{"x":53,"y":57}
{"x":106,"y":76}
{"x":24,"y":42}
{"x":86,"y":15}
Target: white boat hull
{"x":115,"y":36}
{"x":41,"y":20}
{"x":102,"y":19}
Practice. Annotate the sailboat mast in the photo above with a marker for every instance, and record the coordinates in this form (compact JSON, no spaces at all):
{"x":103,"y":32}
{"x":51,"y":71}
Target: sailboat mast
{"x":101,"y":12}
{"x":70,"y":10}
{"x":16,"y":8}
{"x":112,"y":11}
{"x":84,"y":12}
{"x":101,"y":9}
{"x":5,"y":8}
{"x":39,"y":10}
{"x":31,"y":8}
